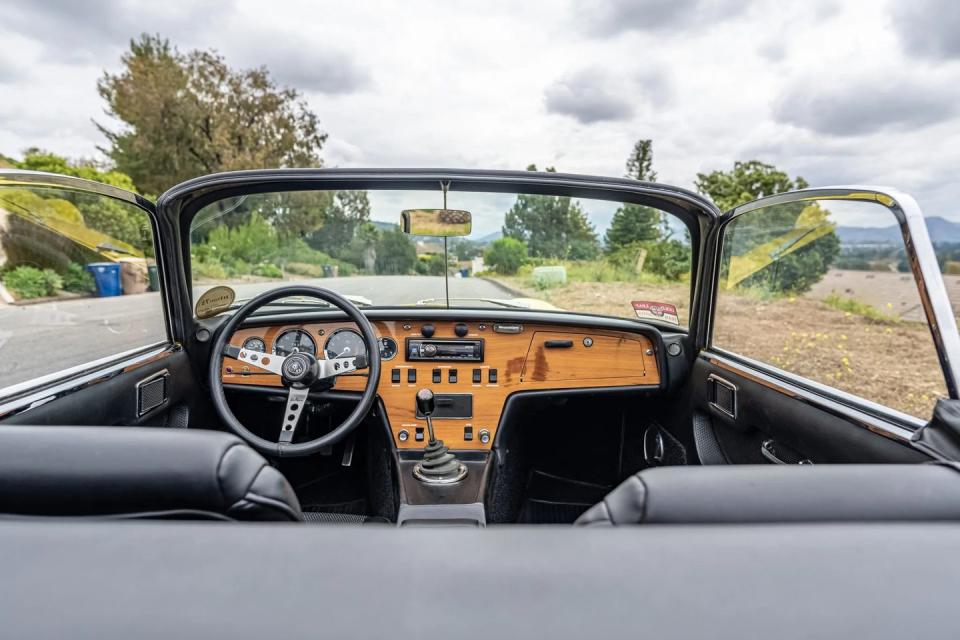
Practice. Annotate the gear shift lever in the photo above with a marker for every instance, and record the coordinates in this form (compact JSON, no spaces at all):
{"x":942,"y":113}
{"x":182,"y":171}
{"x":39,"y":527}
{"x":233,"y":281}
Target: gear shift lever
{"x":438,"y":466}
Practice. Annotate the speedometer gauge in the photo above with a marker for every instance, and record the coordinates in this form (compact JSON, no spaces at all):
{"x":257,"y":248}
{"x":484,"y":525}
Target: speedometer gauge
{"x":294,"y":341}
{"x":344,"y":343}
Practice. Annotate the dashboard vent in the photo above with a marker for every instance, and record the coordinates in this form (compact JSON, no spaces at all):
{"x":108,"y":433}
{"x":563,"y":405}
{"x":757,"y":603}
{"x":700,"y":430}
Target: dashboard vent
{"x":152,"y":392}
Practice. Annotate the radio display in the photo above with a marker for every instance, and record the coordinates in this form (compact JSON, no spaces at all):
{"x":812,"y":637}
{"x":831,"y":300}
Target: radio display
{"x":444,"y":350}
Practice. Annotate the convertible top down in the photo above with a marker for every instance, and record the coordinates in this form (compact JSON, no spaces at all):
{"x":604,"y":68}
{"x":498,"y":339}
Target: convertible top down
{"x":701,"y":431}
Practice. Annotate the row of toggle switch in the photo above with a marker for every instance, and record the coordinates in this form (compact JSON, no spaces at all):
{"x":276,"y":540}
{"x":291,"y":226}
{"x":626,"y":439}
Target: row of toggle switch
{"x":452,"y":376}
{"x":483,"y":434}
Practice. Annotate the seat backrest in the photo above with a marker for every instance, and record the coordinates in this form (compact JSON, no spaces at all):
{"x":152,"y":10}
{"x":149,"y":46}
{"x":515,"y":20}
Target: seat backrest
{"x":138,"y":472}
{"x":782,"y":493}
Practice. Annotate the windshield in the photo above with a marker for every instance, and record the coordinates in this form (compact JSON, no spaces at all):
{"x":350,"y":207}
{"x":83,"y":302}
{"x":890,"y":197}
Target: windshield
{"x":523,"y":251}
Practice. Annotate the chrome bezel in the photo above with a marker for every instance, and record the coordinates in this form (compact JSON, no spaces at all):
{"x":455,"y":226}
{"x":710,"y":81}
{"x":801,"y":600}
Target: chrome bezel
{"x":256,"y":350}
{"x":273,"y":347}
{"x":336,"y":332}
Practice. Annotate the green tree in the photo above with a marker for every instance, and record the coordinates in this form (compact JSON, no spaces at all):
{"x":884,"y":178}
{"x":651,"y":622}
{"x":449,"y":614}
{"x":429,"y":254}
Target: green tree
{"x":36,"y":159}
{"x":346,"y":213}
{"x":551,"y":226}
{"x":190,"y":114}
{"x":506,"y":255}
{"x":745,"y":182}
{"x":634,"y":223}
{"x":795,"y":271}
{"x":395,"y":253}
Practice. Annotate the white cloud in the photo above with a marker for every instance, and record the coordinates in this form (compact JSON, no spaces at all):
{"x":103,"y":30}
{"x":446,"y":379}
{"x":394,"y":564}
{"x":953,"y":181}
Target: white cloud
{"x":836,"y":92}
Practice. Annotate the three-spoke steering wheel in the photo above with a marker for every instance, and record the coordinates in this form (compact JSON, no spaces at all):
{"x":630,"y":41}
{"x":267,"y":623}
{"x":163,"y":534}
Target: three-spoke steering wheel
{"x":298,"y":373}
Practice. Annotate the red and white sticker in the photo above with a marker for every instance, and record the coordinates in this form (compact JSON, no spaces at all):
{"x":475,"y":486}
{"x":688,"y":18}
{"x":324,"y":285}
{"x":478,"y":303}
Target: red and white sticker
{"x":650,"y":310}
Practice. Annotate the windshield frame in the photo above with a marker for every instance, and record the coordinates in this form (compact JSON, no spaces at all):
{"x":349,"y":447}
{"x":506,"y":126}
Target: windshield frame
{"x":178,"y":206}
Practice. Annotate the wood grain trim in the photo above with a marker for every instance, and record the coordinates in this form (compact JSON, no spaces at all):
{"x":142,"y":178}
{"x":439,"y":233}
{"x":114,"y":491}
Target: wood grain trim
{"x":521,"y":361}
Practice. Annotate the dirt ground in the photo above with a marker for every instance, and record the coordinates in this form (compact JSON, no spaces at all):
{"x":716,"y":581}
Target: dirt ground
{"x":891,"y":363}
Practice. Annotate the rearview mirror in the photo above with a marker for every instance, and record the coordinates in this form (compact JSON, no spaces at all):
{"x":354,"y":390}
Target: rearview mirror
{"x":440,"y":223}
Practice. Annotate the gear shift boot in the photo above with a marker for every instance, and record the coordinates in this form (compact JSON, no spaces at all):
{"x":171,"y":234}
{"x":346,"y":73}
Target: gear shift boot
{"x":438,"y":466}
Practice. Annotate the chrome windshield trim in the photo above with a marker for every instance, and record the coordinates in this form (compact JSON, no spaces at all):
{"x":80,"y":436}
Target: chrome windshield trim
{"x":869,"y":415}
{"x":29,"y":393}
{"x":919,"y":249}
{"x":22,"y":177}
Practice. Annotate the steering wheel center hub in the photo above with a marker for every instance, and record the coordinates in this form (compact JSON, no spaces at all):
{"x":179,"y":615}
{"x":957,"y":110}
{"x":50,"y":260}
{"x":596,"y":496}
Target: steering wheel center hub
{"x":301,"y":369}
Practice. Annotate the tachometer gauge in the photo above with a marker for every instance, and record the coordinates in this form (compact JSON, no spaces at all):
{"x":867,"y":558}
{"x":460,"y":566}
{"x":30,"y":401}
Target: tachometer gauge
{"x":294,"y":341}
{"x":344,"y":343}
{"x":388,"y":348}
{"x":255,"y":344}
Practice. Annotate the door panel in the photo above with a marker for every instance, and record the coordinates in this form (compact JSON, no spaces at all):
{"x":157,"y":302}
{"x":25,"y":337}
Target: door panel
{"x":826,"y":342}
{"x":112,"y":399}
{"x":798,"y":428}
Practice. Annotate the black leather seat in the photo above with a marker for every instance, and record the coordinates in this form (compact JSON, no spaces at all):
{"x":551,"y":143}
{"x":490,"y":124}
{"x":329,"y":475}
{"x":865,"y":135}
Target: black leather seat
{"x":782,"y":493}
{"x":138,"y":472}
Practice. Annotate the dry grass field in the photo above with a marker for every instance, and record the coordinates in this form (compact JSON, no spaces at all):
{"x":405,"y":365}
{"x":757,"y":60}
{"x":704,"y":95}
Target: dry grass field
{"x":890,"y":361}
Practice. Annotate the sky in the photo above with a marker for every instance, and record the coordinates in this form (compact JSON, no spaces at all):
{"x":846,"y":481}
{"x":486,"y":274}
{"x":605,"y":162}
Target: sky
{"x":851,"y":92}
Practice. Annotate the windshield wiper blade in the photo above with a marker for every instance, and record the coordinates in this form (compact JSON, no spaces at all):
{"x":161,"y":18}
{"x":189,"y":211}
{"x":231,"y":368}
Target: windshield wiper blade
{"x":305,"y":302}
{"x":503,"y":302}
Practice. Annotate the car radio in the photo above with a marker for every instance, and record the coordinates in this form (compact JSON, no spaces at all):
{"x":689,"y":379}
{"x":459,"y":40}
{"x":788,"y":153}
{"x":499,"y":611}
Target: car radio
{"x":444,"y":350}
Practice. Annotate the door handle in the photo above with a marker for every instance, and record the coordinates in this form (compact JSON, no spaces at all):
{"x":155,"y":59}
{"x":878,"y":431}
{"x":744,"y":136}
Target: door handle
{"x":769,"y":450}
{"x":558,"y":344}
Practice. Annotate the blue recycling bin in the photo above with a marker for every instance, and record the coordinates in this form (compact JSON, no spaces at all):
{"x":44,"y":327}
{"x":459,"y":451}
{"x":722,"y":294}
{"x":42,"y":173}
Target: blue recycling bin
{"x":106,"y":275}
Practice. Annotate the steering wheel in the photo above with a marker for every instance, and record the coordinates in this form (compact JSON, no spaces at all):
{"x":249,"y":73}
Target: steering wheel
{"x":298,"y":373}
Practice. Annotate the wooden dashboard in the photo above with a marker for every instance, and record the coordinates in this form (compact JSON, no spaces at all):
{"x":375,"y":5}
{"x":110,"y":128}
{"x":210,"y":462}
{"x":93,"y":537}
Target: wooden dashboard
{"x":525,"y":361}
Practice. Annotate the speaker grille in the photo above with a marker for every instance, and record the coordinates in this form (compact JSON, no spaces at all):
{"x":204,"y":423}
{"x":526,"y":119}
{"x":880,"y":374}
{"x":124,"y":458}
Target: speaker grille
{"x":151,"y":394}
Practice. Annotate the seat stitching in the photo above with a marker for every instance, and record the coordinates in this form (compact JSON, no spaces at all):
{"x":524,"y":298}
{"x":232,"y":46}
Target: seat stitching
{"x":223,"y":456}
{"x":646,"y":499}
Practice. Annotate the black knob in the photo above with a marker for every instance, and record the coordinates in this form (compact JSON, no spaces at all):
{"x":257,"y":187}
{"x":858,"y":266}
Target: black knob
{"x":428,"y":330}
{"x":425,"y":402}
{"x":460,"y":329}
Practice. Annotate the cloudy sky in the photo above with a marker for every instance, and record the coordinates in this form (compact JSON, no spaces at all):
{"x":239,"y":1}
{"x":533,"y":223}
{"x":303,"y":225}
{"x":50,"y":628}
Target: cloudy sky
{"x":854,"y":91}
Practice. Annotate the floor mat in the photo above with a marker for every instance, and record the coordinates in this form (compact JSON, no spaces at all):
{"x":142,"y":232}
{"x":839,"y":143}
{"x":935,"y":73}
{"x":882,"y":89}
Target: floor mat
{"x":552,"y":499}
{"x":353,"y":507}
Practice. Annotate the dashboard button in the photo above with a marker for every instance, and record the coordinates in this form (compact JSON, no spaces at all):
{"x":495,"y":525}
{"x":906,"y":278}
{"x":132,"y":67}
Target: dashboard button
{"x":436,"y":376}
{"x":484,"y":436}
{"x":492,"y":376}
{"x":395,"y":376}
{"x":476,"y":376}
{"x":452,"y":376}
{"x":403,"y":436}
{"x":419,"y":434}
{"x":411,"y":375}
{"x":468,"y":433}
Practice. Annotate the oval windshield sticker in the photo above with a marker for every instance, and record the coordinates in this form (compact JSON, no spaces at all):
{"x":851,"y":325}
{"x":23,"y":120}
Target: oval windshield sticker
{"x":214,"y":301}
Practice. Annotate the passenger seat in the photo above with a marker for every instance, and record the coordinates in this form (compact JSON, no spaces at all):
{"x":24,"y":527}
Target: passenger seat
{"x":740,"y":494}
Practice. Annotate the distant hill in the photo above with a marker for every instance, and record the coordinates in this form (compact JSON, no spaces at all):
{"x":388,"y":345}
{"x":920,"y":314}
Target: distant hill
{"x":941,"y":231}
{"x":490,"y":237}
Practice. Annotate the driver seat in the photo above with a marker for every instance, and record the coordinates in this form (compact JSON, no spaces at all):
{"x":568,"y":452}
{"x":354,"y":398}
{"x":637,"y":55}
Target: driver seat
{"x":140,"y":472}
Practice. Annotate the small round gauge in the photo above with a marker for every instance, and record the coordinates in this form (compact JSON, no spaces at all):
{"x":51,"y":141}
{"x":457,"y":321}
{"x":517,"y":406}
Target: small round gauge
{"x":294,"y":341}
{"x":388,"y":348}
{"x":255,"y":344}
{"x":344,"y":343}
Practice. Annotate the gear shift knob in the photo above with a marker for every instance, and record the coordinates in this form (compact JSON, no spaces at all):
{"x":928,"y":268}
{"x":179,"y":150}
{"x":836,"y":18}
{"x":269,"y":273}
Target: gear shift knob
{"x":425,"y":402}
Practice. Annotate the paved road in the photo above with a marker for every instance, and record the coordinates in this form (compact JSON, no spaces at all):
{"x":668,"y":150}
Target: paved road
{"x":43,"y":338}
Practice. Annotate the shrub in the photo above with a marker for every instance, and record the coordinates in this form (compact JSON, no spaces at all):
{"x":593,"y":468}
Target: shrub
{"x":267,"y":270}
{"x":305,"y":269}
{"x":78,"y":280}
{"x":506,"y":255}
{"x":212,"y":270}
{"x":30,"y":282}
{"x":857,"y":308}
